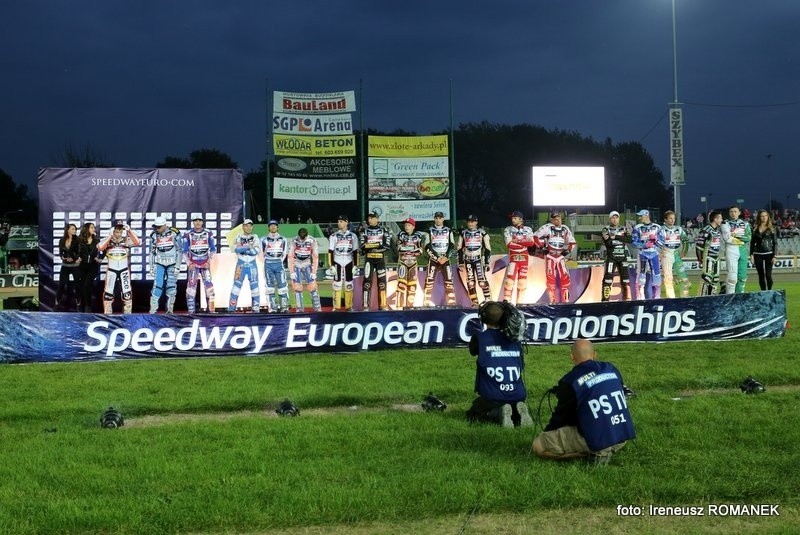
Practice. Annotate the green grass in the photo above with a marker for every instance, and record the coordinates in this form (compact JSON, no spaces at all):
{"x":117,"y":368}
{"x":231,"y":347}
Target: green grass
{"x":375,"y":469}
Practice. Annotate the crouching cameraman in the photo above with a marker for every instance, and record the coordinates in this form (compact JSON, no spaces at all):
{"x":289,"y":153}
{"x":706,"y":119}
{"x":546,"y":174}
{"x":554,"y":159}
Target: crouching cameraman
{"x":500,"y":365}
{"x":591,"y":418}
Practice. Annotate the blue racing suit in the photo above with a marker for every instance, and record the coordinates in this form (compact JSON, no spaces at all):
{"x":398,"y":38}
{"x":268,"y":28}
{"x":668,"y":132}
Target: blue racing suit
{"x":647,"y":237}
{"x":275,"y":249}
{"x":247,"y":248}
{"x":199,"y":248}
{"x":165,"y":264}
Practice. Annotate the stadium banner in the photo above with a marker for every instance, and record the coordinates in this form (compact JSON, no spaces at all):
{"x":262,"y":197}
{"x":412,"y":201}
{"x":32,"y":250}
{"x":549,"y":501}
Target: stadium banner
{"x":407,"y":146}
{"x":316,"y":168}
{"x":313,"y":146}
{"x":302,"y":189}
{"x":401,"y":210}
{"x":138,"y":196}
{"x":20,"y":280}
{"x":432,"y":167}
{"x":308,"y":125}
{"x":409,"y":188}
{"x":313,"y":103}
{"x":48,"y":337}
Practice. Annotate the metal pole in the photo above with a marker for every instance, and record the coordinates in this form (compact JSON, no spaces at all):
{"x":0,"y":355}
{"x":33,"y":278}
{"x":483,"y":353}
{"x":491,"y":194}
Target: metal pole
{"x":676,"y":187}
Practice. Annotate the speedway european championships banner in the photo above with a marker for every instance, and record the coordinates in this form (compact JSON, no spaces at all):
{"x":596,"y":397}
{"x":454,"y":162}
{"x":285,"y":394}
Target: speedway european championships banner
{"x":138,"y":196}
{"x":314,"y":146}
{"x":38,"y":337}
{"x":409,"y":176}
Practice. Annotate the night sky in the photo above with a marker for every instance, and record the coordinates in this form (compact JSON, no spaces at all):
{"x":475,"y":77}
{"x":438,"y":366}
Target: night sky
{"x":137,"y":81}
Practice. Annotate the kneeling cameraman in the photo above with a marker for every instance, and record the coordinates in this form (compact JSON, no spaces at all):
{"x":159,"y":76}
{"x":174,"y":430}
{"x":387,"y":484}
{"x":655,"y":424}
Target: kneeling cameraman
{"x":591,"y":418}
{"x":498,"y":378}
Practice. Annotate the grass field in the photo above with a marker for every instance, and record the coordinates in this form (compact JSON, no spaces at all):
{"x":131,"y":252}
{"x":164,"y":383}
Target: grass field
{"x":203,"y":452}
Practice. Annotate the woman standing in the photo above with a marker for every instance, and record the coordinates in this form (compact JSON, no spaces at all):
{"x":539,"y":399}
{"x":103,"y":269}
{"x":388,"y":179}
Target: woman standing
{"x":764,"y":248}
{"x":89,"y":268}
{"x":69,"y":278}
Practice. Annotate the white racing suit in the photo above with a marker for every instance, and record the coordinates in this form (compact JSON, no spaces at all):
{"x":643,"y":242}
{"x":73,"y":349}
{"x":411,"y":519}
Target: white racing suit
{"x":736,"y":233}
{"x":409,"y":248}
{"x":646,"y":238}
{"x":247,"y":248}
{"x":439,"y":248}
{"x":165,"y":264}
{"x":518,"y":239}
{"x":343,"y":256}
{"x":559,"y":241}
{"x":474,"y":252}
{"x":199,"y":248}
{"x":303,"y":261}
{"x":275,"y":249}
{"x":673,"y":271}
{"x":118,"y":268}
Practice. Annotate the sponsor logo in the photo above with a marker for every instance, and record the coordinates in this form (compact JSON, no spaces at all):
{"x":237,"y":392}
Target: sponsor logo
{"x":291,"y":164}
{"x":432,"y":188}
{"x":298,"y":124}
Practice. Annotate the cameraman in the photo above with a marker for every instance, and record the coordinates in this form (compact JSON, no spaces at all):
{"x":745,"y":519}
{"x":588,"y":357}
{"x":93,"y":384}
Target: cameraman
{"x":591,"y":418}
{"x":498,"y":377}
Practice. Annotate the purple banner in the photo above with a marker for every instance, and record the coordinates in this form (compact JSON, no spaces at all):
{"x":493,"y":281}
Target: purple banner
{"x":137,"y":196}
{"x":46,"y":337}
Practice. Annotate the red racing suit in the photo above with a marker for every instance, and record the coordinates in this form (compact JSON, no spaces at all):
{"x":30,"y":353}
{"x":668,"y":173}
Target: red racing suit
{"x":518,"y":239}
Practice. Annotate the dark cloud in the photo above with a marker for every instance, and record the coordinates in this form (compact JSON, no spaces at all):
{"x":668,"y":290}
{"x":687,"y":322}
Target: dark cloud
{"x":141,"y":80}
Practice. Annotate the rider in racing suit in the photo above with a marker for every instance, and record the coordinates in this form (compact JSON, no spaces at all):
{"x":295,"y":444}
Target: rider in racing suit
{"x":376,"y":242}
{"x":343,"y":259}
{"x":117,"y":248}
{"x":275,"y":249}
{"x":199,"y":248}
{"x":519,"y":238}
{"x":647,"y":238}
{"x":474,"y":252}
{"x":736,"y":233}
{"x":303,"y":261}
{"x":674,"y":246}
{"x":615,"y":238}
{"x":708,"y":245}
{"x":439,"y":248}
{"x":410,"y":243}
{"x":559,"y":241}
{"x":247,"y":247}
{"x":165,"y":263}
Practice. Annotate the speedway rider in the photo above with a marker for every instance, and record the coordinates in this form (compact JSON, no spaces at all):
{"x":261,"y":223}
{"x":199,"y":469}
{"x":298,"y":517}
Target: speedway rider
{"x":708,"y":246}
{"x":199,"y":249}
{"x":303,"y":262}
{"x":343,"y":260}
{"x":439,"y":248}
{"x":410,"y":243}
{"x":474,"y":252}
{"x":117,"y":249}
{"x":247,"y":247}
{"x":376,"y":241}
{"x":736,"y":233}
{"x":559,"y":242}
{"x":275,"y":248}
{"x":615,"y":237}
{"x":166,"y":258}
{"x":674,"y":246}
{"x":518,"y":238}
{"x":647,"y":238}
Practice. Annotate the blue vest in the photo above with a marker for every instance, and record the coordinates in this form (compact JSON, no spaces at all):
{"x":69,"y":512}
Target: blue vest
{"x":602,"y":408}
{"x":499,"y":373}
